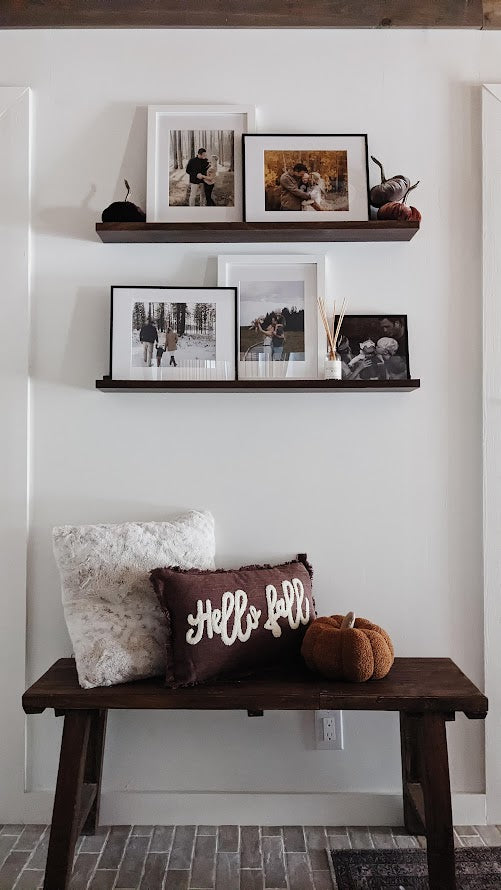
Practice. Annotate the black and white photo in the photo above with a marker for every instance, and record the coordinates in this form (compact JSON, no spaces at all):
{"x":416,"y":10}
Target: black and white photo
{"x":173,"y":333}
{"x":374,"y":347}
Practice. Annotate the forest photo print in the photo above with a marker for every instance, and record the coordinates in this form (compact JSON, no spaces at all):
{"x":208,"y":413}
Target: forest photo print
{"x":307,"y":179}
{"x":170,"y":334}
{"x":173,"y":333}
{"x":310,"y":181}
{"x":202,"y":168}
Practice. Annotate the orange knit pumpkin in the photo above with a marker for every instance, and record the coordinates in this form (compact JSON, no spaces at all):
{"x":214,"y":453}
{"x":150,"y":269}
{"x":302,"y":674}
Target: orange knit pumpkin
{"x":347,"y":648}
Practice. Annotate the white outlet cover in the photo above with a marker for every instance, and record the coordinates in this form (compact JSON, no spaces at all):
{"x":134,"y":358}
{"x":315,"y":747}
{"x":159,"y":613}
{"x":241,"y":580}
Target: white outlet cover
{"x":336,"y":743}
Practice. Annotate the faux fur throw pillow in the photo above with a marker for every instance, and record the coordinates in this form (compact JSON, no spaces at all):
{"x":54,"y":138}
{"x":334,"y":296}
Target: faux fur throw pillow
{"x":233,"y":622}
{"x":116,"y":626}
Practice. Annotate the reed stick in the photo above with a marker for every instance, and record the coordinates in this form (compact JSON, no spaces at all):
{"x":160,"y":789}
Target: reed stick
{"x":332,"y":336}
{"x":340,"y":322}
{"x":325,"y":322}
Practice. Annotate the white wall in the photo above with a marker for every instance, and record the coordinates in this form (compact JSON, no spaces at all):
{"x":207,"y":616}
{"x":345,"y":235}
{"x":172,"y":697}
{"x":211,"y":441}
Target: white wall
{"x":382,"y":490}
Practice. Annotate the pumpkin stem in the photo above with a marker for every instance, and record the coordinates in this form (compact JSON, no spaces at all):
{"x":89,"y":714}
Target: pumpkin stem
{"x":348,"y":621}
{"x":127,"y":186}
{"x":410,"y":190}
{"x":383,"y":177}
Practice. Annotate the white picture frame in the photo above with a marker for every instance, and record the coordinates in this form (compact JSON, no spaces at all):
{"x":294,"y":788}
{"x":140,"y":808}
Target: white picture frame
{"x":210,"y":355}
{"x":336,"y":164}
{"x":237,"y":270}
{"x":164,"y":121}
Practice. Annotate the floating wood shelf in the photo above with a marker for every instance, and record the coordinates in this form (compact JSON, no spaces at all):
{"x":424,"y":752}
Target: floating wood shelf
{"x":109,"y":385}
{"x":241,"y":232}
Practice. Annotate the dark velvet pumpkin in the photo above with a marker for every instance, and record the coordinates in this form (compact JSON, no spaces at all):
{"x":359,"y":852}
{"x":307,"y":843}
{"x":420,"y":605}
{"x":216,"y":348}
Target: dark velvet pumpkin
{"x":123,"y":211}
{"x":398,"y":210}
{"x":387,"y":190}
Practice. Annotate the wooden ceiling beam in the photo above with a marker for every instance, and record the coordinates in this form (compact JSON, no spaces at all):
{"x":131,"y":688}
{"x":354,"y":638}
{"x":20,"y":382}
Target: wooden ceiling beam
{"x":473,"y":14}
{"x":492,"y":15}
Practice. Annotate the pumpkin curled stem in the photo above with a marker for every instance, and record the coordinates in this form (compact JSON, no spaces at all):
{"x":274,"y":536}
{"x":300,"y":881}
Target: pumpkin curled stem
{"x":127,"y":186}
{"x":348,"y":621}
{"x":410,"y":190}
{"x":383,"y":177}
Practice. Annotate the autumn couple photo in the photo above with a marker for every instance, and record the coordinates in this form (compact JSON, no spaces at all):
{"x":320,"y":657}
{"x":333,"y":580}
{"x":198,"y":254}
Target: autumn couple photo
{"x":312,"y":181}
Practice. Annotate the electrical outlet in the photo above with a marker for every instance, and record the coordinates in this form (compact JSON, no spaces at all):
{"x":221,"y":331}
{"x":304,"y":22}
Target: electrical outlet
{"x":329,"y":730}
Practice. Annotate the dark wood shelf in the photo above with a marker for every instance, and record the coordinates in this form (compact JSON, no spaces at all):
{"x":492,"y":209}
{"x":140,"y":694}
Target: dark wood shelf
{"x":109,"y":385}
{"x":241,"y":232}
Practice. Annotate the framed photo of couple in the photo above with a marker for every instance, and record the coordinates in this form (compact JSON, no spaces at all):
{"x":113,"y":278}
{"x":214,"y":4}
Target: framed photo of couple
{"x":279,"y":332}
{"x":173,"y":333}
{"x":374,"y":347}
{"x":194,"y":165}
{"x":306,"y":178}
{"x":205,"y":164}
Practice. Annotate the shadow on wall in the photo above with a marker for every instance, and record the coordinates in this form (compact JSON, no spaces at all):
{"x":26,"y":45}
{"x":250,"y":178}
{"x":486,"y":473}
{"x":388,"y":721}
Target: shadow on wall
{"x":86,"y":351}
{"x":98,"y":149}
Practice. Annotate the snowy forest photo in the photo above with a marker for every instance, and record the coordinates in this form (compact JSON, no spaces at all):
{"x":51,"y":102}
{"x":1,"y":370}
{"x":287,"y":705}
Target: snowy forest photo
{"x":217,"y":188}
{"x":177,"y":332}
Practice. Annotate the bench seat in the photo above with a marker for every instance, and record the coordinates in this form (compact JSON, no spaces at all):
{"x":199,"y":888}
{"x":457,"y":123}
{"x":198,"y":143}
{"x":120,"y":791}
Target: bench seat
{"x":427,"y":692}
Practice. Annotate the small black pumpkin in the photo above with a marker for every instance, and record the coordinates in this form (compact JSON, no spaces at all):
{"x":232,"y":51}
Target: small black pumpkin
{"x":123,"y":211}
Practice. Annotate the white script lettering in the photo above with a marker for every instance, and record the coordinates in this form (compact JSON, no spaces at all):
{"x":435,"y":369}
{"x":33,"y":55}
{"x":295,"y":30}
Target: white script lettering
{"x":283,"y":607}
{"x":217,"y":621}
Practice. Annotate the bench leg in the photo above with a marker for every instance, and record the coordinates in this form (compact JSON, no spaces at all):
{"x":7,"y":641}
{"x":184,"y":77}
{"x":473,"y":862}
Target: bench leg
{"x":409,"y":744}
{"x":94,"y":767}
{"x":69,"y":801}
{"x":435,"y":784}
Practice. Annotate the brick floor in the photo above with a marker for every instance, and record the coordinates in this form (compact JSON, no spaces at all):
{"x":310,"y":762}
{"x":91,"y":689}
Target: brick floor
{"x":204,"y":857}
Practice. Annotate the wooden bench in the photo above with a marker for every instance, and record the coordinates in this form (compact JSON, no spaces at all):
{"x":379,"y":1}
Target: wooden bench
{"x":426,"y":691}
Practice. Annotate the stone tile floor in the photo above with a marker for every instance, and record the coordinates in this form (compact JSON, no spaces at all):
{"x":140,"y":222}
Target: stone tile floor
{"x":203,"y":857}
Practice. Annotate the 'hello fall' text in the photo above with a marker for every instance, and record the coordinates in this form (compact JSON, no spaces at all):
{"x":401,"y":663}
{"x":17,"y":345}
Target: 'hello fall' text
{"x":236,"y":620}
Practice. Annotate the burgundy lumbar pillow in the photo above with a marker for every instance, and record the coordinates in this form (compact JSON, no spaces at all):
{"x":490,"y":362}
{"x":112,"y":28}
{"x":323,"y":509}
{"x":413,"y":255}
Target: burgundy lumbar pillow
{"x":233,"y":622}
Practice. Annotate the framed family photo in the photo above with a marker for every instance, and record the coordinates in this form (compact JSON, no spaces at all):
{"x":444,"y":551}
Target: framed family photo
{"x":306,"y":178}
{"x":194,"y":168}
{"x":374,"y":347}
{"x":279,"y":332}
{"x":173,"y":333}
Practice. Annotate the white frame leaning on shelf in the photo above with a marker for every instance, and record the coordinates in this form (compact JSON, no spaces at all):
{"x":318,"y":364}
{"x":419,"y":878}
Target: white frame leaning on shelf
{"x":164,"y":118}
{"x":235,"y":269}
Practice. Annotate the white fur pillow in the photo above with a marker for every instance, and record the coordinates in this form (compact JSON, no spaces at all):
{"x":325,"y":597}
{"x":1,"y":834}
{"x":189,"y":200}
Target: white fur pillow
{"x":115,"y":623}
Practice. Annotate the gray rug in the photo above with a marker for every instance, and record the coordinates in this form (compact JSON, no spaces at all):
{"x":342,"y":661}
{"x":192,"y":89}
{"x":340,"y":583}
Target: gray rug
{"x":477,"y":868}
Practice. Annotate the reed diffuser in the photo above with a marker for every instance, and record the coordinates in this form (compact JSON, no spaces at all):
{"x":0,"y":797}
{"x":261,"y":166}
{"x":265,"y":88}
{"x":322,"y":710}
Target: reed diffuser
{"x":333,"y":364}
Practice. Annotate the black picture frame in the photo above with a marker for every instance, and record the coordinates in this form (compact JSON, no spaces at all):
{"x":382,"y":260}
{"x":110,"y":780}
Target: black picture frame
{"x":173,"y":287}
{"x":247,"y":137}
{"x":369,"y":326}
